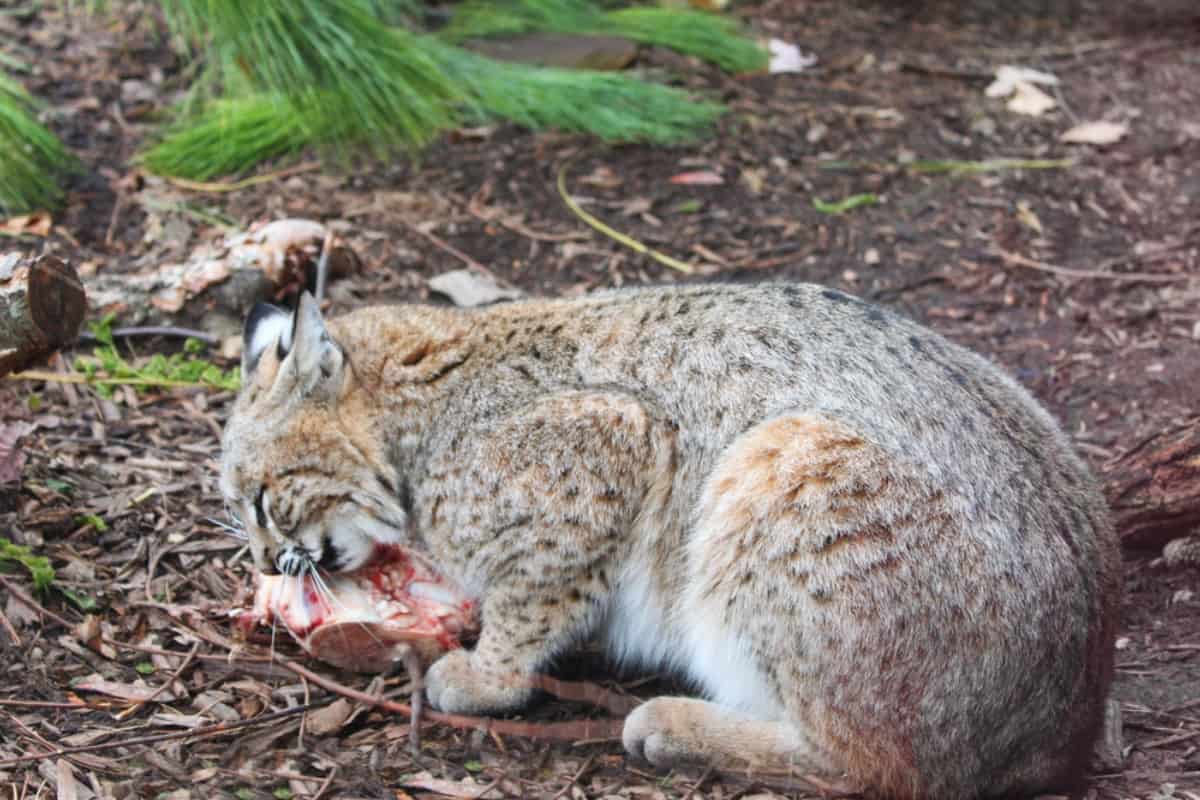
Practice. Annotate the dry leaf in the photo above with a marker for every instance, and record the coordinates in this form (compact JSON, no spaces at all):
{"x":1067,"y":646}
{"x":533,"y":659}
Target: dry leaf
{"x":19,"y":613}
{"x":8,"y":263}
{"x":1099,"y":132}
{"x":701,"y":178}
{"x":468,"y":789}
{"x":174,"y":720}
{"x":636,"y":205}
{"x":1027,"y":217}
{"x":1030,"y":100}
{"x":1009,"y":77}
{"x":231,"y":347}
{"x":204,"y":275}
{"x":786,"y":57}
{"x":67,"y":789}
{"x":88,"y":631}
{"x":755,"y":180}
{"x":12,"y":458}
{"x":328,"y":719}
{"x":136,"y":692}
{"x":603,"y":177}
{"x":35,"y":224}
{"x":468,"y":289}
{"x":169,"y":300}
{"x":1180,"y":552}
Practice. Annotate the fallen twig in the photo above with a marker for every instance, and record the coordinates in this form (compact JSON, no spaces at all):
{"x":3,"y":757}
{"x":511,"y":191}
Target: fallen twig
{"x":187,"y":662}
{"x":587,"y":764}
{"x":613,"y":233}
{"x":207,"y":730}
{"x":8,"y":626}
{"x":442,"y":244}
{"x":33,"y":605}
{"x":220,"y":187}
{"x":155,"y":330}
{"x":477,"y":209}
{"x":58,"y":377}
{"x":1176,"y":739}
{"x":552,"y":731}
{"x":326,"y":783}
{"x":1019,"y":260}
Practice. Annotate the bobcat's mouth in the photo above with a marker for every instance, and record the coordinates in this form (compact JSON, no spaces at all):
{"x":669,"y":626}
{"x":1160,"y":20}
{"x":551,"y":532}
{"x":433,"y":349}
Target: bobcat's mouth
{"x":358,"y":620}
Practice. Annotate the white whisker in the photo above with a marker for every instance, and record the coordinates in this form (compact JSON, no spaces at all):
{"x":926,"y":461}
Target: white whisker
{"x":229,"y":530}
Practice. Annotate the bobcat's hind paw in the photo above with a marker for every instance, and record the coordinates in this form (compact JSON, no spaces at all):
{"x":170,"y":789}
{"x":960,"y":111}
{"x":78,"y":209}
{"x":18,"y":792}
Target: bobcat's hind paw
{"x":454,"y":685}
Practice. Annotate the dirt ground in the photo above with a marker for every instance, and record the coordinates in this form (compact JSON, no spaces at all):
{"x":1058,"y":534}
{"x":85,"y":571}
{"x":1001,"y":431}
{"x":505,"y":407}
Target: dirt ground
{"x":1038,"y":268}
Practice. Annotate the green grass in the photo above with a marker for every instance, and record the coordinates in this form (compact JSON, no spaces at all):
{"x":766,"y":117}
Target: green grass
{"x":38,"y":567}
{"x":107,"y":368}
{"x":32,"y":160}
{"x":42,"y":573}
{"x":610,"y":106}
{"x":842,"y":206}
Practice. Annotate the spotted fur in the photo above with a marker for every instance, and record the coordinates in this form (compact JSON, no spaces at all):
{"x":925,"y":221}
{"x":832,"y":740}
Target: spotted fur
{"x":876,"y":556}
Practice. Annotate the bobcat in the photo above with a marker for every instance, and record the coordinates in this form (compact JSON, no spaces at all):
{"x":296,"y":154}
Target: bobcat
{"x":876,"y":555}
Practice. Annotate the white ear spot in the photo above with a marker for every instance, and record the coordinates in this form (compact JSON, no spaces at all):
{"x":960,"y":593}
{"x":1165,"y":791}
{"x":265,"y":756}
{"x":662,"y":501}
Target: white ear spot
{"x":266,"y":326}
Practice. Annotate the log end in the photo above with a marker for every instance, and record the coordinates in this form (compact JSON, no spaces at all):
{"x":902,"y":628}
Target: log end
{"x":57,"y":301}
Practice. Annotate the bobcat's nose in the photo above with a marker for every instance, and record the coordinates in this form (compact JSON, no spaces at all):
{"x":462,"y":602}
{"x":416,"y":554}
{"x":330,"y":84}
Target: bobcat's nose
{"x":291,"y":561}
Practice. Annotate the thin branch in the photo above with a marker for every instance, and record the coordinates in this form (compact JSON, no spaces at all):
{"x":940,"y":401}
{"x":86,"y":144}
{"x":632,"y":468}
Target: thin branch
{"x":33,"y":605}
{"x":451,"y":249}
{"x":552,"y":731}
{"x":613,"y":233}
{"x":220,"y":187}
{"x":206,"y":730}
{"x":587,"y":764}
{"x":1019,"y":260}
{"x":187,"y":662}
{"x":155,"y":330}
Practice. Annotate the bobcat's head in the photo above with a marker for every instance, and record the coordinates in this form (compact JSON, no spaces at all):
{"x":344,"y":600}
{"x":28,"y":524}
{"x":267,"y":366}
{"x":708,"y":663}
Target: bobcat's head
{"x":299,"y":464}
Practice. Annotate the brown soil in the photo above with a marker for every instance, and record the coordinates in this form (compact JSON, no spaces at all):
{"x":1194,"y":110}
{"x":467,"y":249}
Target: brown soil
{"x":974,"y":255}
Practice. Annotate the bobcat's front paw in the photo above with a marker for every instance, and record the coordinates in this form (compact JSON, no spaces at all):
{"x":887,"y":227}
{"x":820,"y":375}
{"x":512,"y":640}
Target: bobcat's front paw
{"x":651,"y":733}
{"x":454,"y":685}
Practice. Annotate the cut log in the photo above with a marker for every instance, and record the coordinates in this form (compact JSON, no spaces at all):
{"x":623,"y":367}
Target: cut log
{"x":1154,"y":489}
{"x":42,"y":304}
{"x":219,"y":283}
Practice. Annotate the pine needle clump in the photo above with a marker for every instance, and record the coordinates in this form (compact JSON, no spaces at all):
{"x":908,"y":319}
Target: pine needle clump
{"x":710,"y":37}
{"x":283,"y":75}
{"x":232,"y":135}
{"x":33,"y":161}
{"x":613,"y":107}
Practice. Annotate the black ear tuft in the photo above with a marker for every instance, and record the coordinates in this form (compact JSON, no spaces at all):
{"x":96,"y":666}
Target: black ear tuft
{"x":266,"y":324}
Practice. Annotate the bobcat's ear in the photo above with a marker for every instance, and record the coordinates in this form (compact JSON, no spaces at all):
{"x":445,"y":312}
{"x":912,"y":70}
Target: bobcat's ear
{"x":314,"y":353}
{"x":267,"y":325}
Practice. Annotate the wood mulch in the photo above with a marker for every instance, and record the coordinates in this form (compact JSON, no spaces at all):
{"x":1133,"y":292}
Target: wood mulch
{"x":1082,"y":280}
